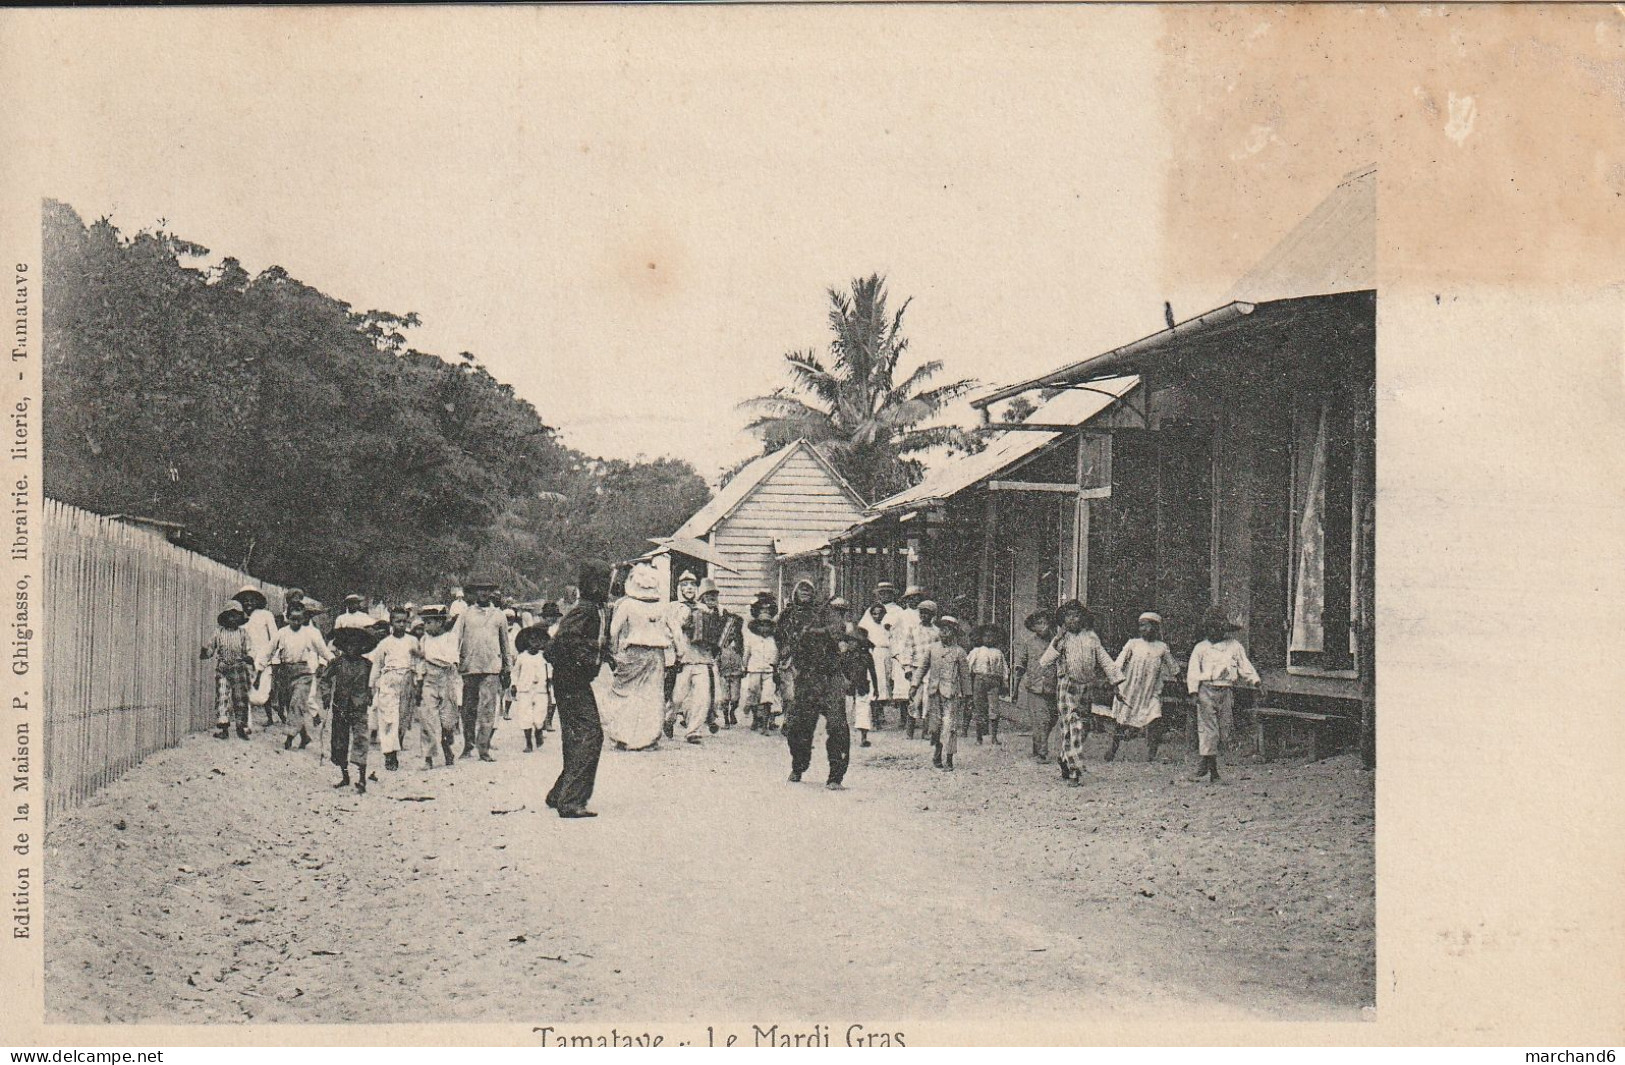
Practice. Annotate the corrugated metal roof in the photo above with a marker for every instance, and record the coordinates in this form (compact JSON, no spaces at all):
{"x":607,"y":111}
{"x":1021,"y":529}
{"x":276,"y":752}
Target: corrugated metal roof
{"x":1333,"y":249}
{"x":1073,"y":407}
{"x":736,"y":491}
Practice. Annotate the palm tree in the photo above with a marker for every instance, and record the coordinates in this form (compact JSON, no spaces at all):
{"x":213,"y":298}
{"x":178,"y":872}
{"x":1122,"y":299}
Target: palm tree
{"x":849,"y":403}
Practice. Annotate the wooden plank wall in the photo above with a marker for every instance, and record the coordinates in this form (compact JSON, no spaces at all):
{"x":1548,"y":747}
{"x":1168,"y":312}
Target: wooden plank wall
{"x":124,"y":613}
{"x":800,"y":499}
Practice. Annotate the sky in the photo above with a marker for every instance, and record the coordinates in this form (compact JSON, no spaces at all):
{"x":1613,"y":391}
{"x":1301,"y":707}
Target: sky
{"x":631,"y":215}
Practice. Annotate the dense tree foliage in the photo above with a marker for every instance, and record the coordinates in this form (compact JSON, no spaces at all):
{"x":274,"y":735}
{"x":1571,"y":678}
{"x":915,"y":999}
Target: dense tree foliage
{"x":851,"y":403}
{"x":308,"y":441}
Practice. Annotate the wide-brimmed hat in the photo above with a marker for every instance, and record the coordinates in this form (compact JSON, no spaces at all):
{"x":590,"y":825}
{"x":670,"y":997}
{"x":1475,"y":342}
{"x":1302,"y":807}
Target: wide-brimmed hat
{"x":530,"y":636}
{"x":708,"y":586}
{"x":913,"y":589}
{"x":883,"y":585}
{"x":353,"y":598}
{"x":357,"y":641}
{"x":947,"y":621}
{"x":1151,"y":616}
{"x":249,"y":589}
{"x":839,"y":603}
{"x":688,"y":577}
{"x":551,"y":610}
{"x":232,"y":609}
{"x":928,"y":604}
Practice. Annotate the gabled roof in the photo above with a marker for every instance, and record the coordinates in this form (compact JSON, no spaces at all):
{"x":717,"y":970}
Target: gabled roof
{"x":1071,"y":407}
{"x":1333,"y":249}
{"x":744,"y":484}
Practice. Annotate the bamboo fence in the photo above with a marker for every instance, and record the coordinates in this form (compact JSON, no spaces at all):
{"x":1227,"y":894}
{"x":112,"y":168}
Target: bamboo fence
{"x":125,"y":613}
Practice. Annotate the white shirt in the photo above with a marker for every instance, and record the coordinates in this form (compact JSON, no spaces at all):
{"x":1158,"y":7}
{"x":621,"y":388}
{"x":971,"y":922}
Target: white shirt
{"x":456,"y":608}
{"x":297,"y":647}
{"x":1221,"y":663}
{"x":261,"y":629}
{"x":530,"y":673}
{"x":905,"y":631}
{"x":879,"y":632}
{"x":355,"y":619}
{"x":445,"y":650}
{"x":761,"y":653}
{"x":393,"y":653}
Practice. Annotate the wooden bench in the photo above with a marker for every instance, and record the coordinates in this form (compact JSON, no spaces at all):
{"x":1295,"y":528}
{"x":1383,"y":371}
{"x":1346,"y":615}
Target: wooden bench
{"x":1320,"y":728}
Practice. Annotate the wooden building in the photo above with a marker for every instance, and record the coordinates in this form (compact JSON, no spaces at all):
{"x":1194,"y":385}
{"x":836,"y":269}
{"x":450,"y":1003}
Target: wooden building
{"x":767,"y":522}
{"x":1228,"y":459}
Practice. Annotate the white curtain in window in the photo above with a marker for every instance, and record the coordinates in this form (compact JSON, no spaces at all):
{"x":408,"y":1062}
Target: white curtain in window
{"x":1309,"y":598}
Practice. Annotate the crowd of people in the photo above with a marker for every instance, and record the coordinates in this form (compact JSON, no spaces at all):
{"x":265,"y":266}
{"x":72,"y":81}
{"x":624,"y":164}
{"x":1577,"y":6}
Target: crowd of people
{"x":446,"y":672}
{"x":688,"y":669}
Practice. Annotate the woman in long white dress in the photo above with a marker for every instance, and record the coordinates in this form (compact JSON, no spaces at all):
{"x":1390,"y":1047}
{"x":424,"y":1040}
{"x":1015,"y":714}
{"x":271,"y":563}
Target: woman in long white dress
{"x":633,"y":703}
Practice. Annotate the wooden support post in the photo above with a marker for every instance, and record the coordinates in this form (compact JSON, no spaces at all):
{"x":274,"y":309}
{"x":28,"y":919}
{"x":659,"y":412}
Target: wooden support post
{"x":984,"y":605}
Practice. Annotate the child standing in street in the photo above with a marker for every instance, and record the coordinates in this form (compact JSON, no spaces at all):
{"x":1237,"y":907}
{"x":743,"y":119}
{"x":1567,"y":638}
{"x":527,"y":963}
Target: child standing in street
{"x":1036,"y":682}
{"x":233,"y":670}
{"x":532,"y":678}
{"x":759,"y":690}
{"x":1083,"y":668}
{"x":440,"y":705}
{"x":943,"y":676}
{"x":394,"y":672}
{"x":1146,"y":664}
{"x":857,"y":664}
{"x":987,"y":677}
{"x":352,"y":697}
{"x":731,"y":665}
{"x":551,"y":616}
{"x":1218,"y":665}
{"x":301,"y":649}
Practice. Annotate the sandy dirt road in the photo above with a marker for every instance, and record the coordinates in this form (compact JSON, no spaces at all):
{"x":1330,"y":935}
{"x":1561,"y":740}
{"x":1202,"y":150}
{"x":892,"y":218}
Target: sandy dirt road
{"x":223,"y":881}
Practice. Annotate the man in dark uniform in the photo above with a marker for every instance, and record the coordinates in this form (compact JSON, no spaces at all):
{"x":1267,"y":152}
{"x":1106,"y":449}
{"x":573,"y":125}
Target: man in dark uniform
{"x":809,"y":653}
{"x":576,"y":653}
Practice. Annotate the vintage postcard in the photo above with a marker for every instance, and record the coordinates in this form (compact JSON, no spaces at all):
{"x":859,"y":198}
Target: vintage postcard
{"x":814,"y":525}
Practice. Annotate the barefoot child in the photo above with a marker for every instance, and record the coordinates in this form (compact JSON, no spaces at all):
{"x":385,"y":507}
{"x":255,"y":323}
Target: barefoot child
{"x":943,"y":677}
{"x":440,"y":706}
{"x":302,"y":650}
{"x":857,"y":663}
{"x":987,"y":677}
{"x":352,"y":697}
{"x":758,"y":691}
{"x":731,"y":666}
{"x":531,"y":679}
{"x":233,"y":670}
{"x":1036,"y":682}
{"x":1218,"y":664}
{"x":1146,"y":663}
{"x":1082,"y":668}
{"x":394,"y":671}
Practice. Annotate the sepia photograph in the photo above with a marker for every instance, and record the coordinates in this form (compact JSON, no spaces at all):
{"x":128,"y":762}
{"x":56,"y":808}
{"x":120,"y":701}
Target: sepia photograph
{"x":812,"y":526}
